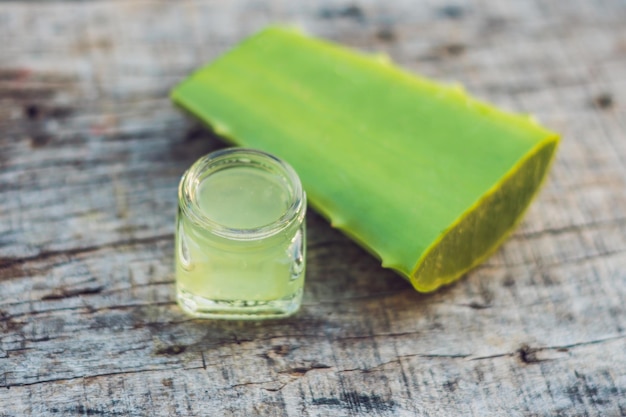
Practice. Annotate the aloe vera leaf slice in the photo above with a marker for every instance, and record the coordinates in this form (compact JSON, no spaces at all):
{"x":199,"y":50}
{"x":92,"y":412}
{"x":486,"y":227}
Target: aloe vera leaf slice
{"x":426,"y":178}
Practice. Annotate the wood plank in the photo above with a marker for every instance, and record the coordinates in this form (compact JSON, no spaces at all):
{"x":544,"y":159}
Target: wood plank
{"x":91,"y":151}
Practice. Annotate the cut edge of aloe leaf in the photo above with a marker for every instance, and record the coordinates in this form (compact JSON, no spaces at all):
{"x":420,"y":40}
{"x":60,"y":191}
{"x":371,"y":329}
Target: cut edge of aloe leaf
{"x":486,"y":217}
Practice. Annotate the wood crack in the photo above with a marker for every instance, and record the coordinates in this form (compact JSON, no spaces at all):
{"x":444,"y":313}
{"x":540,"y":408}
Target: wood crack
{"x":303,"y":370}
{"x":69,"y":293}
{"x":527,"y":353}
{"x":568,"y":261}
{"x":246,"y":384}
{"x":620,"y":221}
{"x":399,"y":358}
{"x":6,"y":263}
{"x":91,"y":310}
{"x":102,"y":375}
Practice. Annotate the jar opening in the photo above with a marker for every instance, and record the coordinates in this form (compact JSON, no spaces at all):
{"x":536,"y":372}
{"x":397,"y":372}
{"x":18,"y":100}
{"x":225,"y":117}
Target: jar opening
{"x":242,"y":194}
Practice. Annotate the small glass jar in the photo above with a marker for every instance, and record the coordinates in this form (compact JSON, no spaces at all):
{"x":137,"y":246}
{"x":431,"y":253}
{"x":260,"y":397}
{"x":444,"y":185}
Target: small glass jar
{"x":240,"y":237}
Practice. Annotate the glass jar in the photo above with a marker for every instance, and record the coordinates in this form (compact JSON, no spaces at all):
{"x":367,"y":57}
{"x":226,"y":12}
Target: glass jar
{"x":240,"y":237}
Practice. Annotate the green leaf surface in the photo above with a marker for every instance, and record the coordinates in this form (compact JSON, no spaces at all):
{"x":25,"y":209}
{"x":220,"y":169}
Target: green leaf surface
{"x":426,"y":178}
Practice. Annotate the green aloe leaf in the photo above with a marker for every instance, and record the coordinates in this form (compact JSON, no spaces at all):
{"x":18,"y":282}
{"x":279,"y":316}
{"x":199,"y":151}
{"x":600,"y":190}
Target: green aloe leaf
{"x":426,"y":178}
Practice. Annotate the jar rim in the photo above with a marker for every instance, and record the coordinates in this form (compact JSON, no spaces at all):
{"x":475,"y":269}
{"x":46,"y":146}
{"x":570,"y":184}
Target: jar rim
{"x":240,"y":156}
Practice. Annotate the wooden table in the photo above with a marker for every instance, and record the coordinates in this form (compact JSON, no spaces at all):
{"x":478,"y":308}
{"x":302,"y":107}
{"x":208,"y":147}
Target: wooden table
{"x":91,"y":151}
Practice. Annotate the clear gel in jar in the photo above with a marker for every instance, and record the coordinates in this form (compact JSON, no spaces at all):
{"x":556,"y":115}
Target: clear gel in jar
{"x":240,"y":237}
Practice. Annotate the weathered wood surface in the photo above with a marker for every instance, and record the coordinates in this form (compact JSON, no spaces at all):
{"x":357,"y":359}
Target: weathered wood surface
{"x":91,"y":151}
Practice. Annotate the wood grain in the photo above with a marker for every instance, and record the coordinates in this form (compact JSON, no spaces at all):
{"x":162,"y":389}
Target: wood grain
{"x":91,"y":151}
